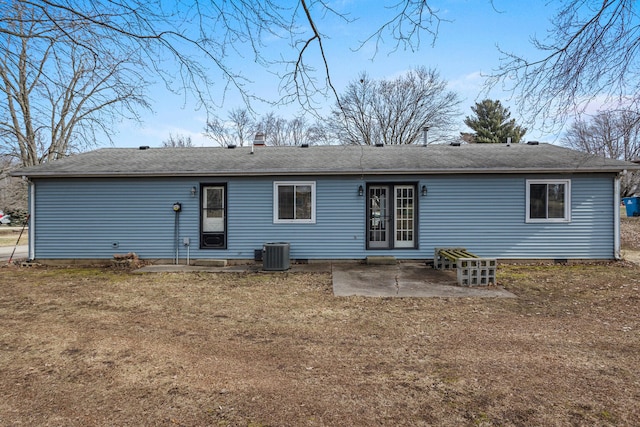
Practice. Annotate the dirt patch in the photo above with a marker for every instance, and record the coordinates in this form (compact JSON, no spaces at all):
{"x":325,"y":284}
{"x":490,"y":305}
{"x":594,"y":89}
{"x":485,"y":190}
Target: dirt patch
{"x":630,"y":233}
{"x":85,"y":347}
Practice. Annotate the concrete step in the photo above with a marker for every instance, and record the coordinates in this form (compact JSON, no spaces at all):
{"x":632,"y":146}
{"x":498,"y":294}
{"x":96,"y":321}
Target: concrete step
{"x":210,"y":262}
{"x":381,"y":260}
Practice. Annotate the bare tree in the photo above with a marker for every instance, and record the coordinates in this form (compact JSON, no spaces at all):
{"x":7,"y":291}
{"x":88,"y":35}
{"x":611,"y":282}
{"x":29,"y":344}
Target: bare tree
{"x":614,"y":134}
{"x":296,"y":131}
{"x":238,"y":130}
{"x":13,"y":193}
{"x":243,"y":126}
{"x":353,"y":119}
{"x":395,"y":111}
{"x":299,"y":130}
{"x":274,"y":129}
{"x":178,"y":141}
{"x":203,"y":36}
{"x":469,"y":138}
{"x":317,"y":133}
{"x":219,"y":132}
{"x":57,"y":97}
{"x":590,"y":54}
{"x":80,"y":66}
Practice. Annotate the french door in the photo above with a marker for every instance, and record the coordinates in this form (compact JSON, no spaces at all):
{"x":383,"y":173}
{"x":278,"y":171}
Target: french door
{"x":391,"y":216}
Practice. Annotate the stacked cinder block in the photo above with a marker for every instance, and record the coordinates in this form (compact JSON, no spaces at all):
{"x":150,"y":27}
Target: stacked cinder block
{"x":472,"y":270}
{"x":476,"y":271}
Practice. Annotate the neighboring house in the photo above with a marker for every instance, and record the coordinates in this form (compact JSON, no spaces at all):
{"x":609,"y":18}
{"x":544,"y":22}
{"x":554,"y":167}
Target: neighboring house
{"x":328,"y":202}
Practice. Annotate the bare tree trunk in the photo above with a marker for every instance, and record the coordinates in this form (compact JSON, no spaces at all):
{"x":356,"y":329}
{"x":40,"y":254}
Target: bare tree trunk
{"x":612,"y":134}
{"x":394,"y":111}
{"x":72,"y":67}
{"x":59,"y":96}
{"x":589,"y":56}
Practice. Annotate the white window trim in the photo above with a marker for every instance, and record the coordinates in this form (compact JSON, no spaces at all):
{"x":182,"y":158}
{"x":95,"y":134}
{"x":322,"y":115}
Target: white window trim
{"x":567,"y":200}
{"x":277,"y":220}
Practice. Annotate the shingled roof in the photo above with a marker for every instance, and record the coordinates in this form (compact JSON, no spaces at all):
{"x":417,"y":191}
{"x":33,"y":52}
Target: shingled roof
{"x":325,"y":160}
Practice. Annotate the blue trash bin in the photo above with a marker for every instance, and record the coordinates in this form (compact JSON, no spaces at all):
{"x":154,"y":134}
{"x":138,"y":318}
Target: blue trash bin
{"x":632,"y":205}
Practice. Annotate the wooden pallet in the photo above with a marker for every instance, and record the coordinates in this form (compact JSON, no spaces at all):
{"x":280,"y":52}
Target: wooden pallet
{"x":472,"y":270}
{"x":445,"y":258}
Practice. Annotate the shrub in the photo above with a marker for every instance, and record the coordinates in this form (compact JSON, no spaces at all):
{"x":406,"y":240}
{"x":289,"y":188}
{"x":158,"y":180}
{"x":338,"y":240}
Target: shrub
{"x":18,"y":216}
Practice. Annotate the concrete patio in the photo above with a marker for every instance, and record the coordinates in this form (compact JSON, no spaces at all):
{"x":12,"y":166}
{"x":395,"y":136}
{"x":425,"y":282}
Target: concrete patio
{"x":405,"y":279}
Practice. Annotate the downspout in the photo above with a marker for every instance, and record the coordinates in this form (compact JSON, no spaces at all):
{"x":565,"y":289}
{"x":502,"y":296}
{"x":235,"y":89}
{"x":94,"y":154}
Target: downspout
{"x":177,"y":207}
{"x":32,"y":219}
{"x":176,"y":233}
{"x":616,"y":216}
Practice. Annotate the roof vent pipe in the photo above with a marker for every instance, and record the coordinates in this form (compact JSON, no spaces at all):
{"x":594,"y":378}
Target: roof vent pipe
{"x":425,"y":133}
{"x":508,"y":141}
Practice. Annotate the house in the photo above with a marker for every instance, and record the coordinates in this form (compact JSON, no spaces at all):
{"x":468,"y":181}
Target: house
{"x":520,"y":201}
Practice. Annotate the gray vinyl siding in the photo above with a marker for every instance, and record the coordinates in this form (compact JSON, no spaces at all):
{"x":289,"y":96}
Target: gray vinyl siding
{"x":82,"y":218}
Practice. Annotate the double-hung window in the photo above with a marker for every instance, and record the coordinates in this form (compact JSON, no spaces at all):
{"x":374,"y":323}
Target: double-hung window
{"x":294,"y":202}
{"x":548,"y":200}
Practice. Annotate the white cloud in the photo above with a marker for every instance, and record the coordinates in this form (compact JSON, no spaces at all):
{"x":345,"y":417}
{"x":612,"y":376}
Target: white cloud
{"x":472,"y":82}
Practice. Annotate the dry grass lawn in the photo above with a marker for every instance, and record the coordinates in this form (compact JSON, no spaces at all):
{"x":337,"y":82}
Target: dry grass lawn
{"x":9,"y":237}
{"x":86,"y":347}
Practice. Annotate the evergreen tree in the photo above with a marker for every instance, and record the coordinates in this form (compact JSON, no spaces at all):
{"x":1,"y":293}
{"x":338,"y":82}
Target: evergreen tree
{"x":492,"y":123}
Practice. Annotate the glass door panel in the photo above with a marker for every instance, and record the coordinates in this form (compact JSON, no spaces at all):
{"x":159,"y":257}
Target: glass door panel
{"x":213,"y":212}
{"x":404,"y":216}
{"x":378,"y":221}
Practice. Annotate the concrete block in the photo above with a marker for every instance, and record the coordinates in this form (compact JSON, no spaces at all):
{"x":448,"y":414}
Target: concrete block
{"x":478,"y":276}
{"x":471,"y":271}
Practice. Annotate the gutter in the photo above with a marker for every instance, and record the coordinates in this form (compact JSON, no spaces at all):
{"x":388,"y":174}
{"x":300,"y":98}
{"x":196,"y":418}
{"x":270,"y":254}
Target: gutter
{"x":289,"y":172}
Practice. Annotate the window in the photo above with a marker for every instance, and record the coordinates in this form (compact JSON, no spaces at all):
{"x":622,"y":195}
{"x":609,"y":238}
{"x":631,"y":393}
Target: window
{"x":548,"y":200}
{"x":294,"y":202}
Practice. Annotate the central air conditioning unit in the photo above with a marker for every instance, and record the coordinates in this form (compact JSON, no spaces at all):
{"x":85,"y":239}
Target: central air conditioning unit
{"x":275,"y":256}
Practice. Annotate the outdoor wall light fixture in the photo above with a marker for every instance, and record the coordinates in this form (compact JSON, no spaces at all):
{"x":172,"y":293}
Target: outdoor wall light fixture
{"x":194,"y":190}
{"x":424,"y":190}
{"x":360,"y":191}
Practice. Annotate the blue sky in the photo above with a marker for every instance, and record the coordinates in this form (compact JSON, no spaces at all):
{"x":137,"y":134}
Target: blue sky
{"x":465,"y":49}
